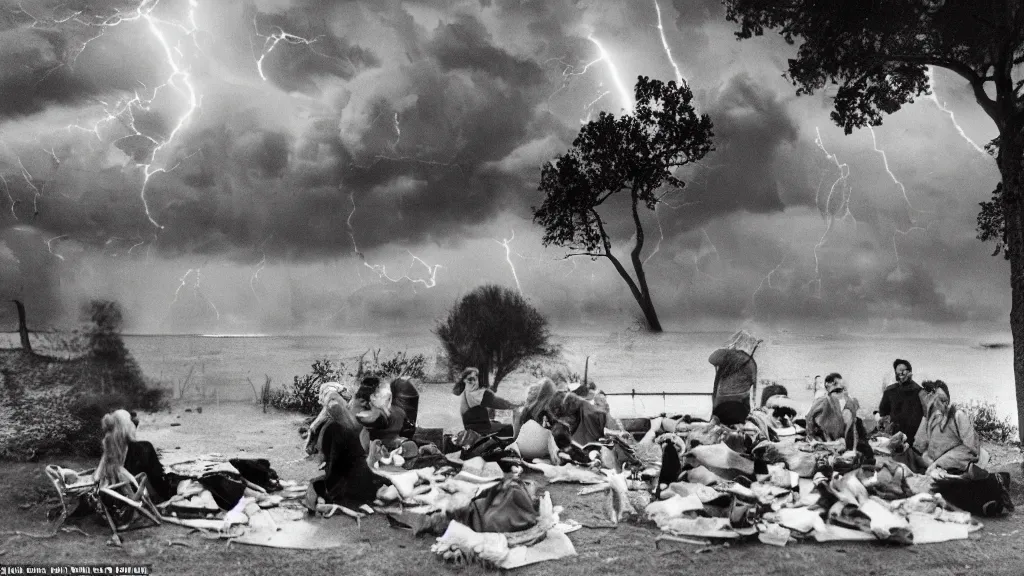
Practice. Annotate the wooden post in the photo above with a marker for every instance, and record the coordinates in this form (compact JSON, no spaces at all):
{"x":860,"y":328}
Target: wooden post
{"x":23,"y":326}
{"x":586,"y":368}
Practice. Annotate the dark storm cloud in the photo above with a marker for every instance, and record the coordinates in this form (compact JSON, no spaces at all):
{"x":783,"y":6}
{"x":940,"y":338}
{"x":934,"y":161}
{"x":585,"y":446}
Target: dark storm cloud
{"x":32,"y":77}
{"x":416,"y":128}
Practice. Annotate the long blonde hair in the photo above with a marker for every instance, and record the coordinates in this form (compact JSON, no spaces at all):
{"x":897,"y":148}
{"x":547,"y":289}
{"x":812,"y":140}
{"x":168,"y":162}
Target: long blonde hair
{"x":118,"y":430}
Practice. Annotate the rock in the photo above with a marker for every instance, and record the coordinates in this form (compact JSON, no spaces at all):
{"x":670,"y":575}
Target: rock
{"x":199,"y":410}
{"x":188,"y":409}
{"x":175,"y":423}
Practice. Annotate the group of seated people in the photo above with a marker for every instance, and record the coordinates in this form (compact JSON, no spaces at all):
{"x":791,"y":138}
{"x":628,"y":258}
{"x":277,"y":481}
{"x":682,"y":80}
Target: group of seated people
{"x":350,"y":428}
{"x":928,"y":433}
{"x":574,"y":418}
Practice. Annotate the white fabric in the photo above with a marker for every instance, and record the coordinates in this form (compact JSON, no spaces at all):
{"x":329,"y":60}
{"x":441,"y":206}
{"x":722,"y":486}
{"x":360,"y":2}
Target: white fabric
{"x":532,"y":441}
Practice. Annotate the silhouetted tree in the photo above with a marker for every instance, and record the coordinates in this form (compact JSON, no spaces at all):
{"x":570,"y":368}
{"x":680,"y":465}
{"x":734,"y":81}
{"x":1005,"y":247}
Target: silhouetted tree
{"x":633,"y":154}
{"x":880,"y":54}
{"x":493,"y":329}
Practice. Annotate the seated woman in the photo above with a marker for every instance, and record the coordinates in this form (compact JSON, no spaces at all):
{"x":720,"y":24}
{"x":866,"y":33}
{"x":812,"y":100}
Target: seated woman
{"x":945,"y":439}
{"x":832,"y":415}
{"x":476,"y":403}
{"x":124,"y":456}
{"x":347,"y":479}
{"x":373,"y":408}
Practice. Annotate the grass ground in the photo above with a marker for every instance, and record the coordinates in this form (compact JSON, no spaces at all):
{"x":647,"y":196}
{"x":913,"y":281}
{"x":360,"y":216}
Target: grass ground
{"x":374,"y":548}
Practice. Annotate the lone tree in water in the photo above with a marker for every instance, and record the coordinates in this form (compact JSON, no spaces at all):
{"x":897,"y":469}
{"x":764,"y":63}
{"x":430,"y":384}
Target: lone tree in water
{"x":880,"y":54}
{"x":634,"y":154}
{"x":495,"y":330}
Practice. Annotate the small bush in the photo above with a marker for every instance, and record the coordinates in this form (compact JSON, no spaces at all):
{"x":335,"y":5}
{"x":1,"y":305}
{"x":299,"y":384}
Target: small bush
{"x":304,"y":395}
{"x":494,"y":329}
{"x":988,"y":424}
{"x":399,"y":364}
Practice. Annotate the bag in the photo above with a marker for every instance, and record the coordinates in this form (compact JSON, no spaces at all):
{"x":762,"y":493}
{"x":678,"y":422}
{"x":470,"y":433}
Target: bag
{"x":508,"y":507}
{"x":257,"y":471}
{"x":978,"y":492}
{"x":226,"y":490}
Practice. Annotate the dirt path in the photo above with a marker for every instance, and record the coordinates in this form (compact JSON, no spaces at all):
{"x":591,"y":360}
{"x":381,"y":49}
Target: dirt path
{"x":242,"y":429}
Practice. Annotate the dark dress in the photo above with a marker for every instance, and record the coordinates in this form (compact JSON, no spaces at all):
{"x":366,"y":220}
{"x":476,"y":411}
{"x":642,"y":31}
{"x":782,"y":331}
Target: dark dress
{"x":478,"y":418}
{"x":347,"y":479}
{"x":142,"y":457}
{"x":902,"y":403}
{"x":735,"y":374}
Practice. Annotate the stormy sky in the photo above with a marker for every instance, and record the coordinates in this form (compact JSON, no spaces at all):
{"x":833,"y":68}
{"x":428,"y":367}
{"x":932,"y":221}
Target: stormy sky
{"x":315,"y":165}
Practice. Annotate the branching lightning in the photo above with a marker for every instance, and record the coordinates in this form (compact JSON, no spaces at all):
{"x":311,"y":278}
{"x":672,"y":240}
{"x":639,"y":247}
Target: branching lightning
{"x":270,"y":42}
{"x":428,"y":282}
{"x":844,"y":173}
{"x":179,"y":79}
{"x":934,"y":97}
{"x":195,"y":289}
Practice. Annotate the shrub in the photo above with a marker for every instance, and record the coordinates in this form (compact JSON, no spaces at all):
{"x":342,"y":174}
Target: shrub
{"x":401,"y":364}
{"x":54,"y":406}
{"x":495,"y":329}
{"x":988,"y":424}
{"x":304,"y":395}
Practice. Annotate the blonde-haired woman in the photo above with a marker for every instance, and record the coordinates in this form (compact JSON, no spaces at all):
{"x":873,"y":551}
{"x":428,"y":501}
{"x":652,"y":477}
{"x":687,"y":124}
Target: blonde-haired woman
{"x":124,"y":456}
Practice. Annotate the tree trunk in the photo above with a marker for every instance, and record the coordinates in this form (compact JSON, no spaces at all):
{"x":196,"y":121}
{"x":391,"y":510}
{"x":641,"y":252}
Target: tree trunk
{"x":23,"y":327}
{"x":485,"y":374}
{"x":1011,"y":167}
{"x":653,"y":324}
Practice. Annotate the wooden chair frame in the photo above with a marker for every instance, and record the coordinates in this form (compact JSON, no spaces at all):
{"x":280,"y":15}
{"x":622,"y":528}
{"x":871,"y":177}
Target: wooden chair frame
{"x":132,"y":492}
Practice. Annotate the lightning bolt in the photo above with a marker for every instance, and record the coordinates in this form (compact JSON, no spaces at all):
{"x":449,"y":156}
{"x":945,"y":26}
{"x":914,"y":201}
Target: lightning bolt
{"x":428,"y":282}
{"x":179,"y":79}
{"x":49,"y":246}
{"x":351,"y":230}
{"x":885,"y":162}
{"x":664,"y":44}
{"x":661,"y":234}
{"x":183,"y":280}
{"x":134,"y":246}
{"x":195,"y":290}
{"x":256,"y":275}
{"x":627,"y":99}
{"x":697,"y":256}
{"x":844,"y":173}
{"x":29,"y":180}
{"x":767,"y":279}
{"x":508,"y":258}
{"x":934,"y":97}
{"x":7,"y":189}
{"x":270,"y":42}
{"x":398,"y":133}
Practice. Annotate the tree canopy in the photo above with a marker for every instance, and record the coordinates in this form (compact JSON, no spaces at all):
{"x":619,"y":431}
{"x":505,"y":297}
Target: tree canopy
{"x":879,"y":52}
{"x":635,"y":153}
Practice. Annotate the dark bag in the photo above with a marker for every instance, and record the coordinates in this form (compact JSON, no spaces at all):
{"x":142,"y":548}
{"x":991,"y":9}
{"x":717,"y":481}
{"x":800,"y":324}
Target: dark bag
{"x":978,"y":492}
{"x":227,"y":490}
{"x":257,"y":471}
{"x":508,"y":507}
